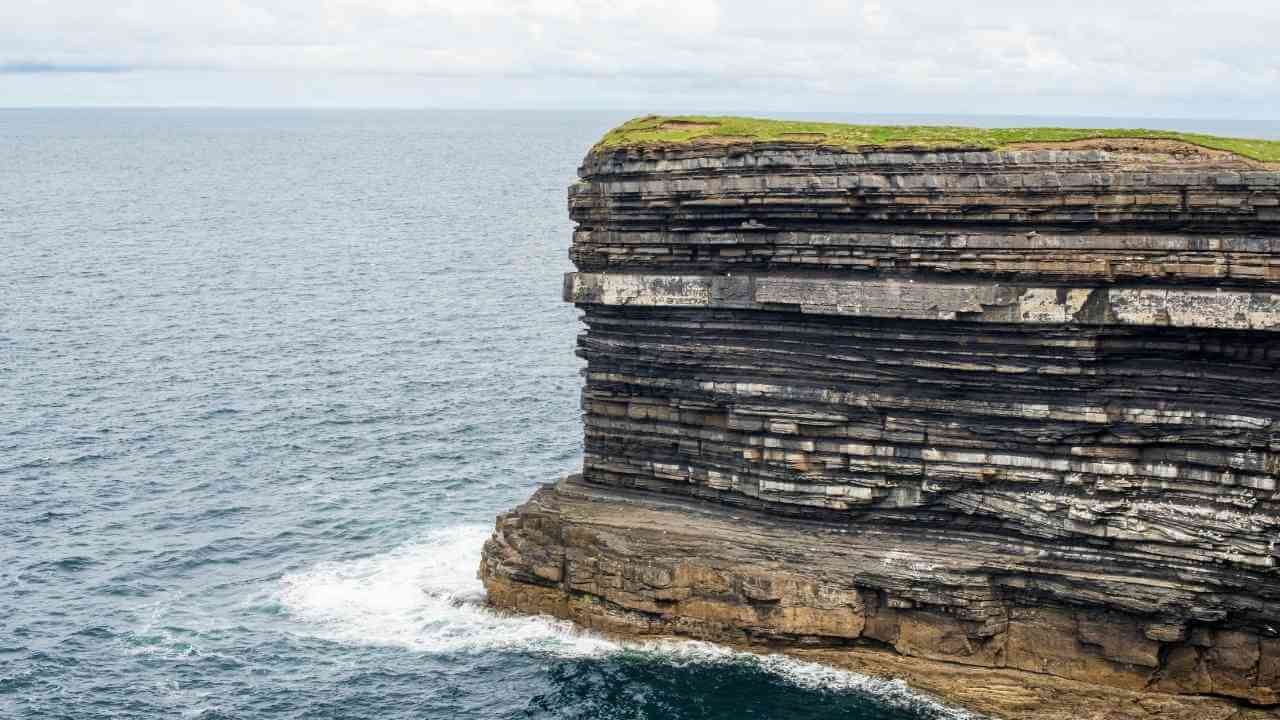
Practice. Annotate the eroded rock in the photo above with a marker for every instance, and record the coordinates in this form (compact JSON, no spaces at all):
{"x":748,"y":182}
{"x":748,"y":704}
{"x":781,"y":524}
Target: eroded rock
{"x":1012,"y":412}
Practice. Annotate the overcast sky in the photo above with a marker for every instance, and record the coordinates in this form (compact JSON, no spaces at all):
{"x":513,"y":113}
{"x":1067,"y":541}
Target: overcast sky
{"x":1137,"y":58}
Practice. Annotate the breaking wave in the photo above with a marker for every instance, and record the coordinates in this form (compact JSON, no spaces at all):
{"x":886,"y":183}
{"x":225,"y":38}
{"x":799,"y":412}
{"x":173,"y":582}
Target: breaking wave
{"x":425,"y":597}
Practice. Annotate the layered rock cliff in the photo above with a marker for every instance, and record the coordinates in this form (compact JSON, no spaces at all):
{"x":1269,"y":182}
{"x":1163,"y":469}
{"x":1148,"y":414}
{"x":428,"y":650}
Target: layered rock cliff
{"x":929,"y":412}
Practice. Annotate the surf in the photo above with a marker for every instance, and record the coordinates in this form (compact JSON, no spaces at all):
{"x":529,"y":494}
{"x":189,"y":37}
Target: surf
{"x":424,"y":597}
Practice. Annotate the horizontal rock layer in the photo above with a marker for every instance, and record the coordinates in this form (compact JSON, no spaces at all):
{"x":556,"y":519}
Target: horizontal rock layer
{"x":1015,"y":410}
{"x":1224,"y":261}
{"x":928,"y":299}
{"x":1047,"y":214}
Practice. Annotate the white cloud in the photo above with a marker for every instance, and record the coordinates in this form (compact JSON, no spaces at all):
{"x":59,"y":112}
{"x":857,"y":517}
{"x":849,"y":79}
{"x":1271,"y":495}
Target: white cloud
{"x":1113,"y":57}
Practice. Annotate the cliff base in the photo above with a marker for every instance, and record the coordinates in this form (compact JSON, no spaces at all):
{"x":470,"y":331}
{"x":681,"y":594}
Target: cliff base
{"x":629,"y":564}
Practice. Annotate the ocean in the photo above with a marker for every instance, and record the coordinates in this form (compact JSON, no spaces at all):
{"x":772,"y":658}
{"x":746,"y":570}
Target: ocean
{"x":266,"y":378}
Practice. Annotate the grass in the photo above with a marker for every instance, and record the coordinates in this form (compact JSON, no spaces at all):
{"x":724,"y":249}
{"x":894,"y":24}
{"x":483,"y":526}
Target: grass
{"x":667,"y":130}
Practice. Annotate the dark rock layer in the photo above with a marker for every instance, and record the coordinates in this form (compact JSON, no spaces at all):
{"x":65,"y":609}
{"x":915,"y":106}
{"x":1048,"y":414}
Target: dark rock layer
{"x":1011,"y":410}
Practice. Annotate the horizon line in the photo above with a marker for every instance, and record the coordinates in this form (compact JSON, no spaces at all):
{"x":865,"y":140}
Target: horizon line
{"x":639,"y":112}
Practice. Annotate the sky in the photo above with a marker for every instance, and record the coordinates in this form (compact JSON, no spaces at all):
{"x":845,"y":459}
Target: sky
{"x":1130,"y":58}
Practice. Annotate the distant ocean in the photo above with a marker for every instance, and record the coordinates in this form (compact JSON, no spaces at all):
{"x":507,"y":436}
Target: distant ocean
{"x":266,"y":378}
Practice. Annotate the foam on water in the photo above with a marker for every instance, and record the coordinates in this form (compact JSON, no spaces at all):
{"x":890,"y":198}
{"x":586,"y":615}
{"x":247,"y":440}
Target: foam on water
{"x":425,"y":597}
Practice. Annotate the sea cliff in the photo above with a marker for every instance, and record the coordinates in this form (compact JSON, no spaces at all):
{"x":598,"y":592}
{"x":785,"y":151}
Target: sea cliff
{"x":995,"y":412}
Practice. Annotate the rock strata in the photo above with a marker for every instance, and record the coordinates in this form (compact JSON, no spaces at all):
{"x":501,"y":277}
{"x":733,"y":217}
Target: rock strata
{"x":915,"y":410}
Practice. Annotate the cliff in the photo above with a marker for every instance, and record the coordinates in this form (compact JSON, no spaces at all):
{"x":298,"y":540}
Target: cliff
{"x":997,"y":412}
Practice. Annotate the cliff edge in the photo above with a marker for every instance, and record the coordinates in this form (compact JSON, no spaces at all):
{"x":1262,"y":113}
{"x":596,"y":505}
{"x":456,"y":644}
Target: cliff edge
{"x":995,"y":411}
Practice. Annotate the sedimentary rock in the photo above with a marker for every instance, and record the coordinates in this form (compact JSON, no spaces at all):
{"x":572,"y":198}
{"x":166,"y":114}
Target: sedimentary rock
{"x":1015,"y":410}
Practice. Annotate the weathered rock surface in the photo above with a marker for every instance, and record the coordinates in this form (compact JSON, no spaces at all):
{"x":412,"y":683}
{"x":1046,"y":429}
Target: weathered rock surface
{"x":1017,"y":412}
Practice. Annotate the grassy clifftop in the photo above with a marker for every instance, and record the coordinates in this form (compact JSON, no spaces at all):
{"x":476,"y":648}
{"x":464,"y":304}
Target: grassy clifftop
{"x":665,"y":130}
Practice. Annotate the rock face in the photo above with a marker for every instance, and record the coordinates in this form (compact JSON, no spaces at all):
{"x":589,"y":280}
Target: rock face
{"x":1015,"y":410}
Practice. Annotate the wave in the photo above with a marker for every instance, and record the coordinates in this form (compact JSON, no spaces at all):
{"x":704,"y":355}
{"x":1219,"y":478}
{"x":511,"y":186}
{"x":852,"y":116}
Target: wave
{"x":425,"y":597}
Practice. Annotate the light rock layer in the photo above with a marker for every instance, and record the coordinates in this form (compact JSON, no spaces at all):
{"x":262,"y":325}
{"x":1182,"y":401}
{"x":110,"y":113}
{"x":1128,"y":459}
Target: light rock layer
{"x":1013,"y":411}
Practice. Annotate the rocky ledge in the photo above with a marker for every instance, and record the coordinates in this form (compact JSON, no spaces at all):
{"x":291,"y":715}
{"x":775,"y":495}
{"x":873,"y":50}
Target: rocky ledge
{"x":1003,"y":422}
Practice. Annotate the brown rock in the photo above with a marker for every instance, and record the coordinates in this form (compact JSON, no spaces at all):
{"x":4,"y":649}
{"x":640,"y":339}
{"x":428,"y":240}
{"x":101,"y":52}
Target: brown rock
{"x":1121,"y":639}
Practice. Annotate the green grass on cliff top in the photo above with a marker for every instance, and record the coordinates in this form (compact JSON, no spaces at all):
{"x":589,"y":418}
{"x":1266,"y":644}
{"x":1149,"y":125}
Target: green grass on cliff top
{"x":677,"y":129}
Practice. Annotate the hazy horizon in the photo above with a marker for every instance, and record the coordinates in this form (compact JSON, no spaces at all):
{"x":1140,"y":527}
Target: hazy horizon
{"x":605,"y":118}
{"x":1176,"y":59}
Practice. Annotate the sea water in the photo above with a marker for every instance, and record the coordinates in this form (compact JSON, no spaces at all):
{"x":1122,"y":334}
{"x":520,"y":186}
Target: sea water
{"x":265,"y":380}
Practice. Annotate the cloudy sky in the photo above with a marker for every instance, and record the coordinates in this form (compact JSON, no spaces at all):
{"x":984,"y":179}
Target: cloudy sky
{"x":1161,"y":58}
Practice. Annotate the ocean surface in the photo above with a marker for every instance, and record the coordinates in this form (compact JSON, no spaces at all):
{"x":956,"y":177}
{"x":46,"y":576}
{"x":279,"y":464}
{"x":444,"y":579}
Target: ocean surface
{"x":266,"y":378}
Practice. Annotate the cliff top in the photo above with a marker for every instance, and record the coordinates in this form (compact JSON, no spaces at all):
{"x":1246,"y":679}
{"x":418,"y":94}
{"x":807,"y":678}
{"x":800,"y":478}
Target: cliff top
{"x":696,"y":129}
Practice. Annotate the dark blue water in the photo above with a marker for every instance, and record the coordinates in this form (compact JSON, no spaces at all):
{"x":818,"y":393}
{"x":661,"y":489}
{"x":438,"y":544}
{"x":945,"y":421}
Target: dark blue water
{"x":265,"y":379}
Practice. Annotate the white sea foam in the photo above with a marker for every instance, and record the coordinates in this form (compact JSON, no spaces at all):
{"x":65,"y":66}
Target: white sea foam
{"x":426,"y":597}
